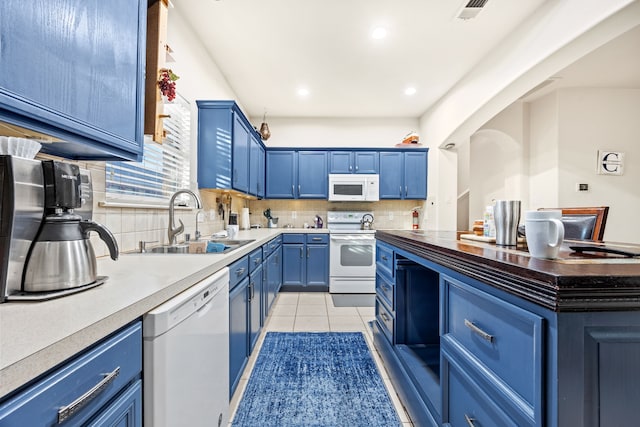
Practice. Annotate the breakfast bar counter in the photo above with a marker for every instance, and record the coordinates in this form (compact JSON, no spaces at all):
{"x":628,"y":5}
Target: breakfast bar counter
{"x":473,"y":333}
{"x":573,"y":282}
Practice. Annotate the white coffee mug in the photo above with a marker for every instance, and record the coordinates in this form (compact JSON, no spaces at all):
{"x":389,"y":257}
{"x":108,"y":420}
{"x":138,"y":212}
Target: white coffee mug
{"x":545,"y":232}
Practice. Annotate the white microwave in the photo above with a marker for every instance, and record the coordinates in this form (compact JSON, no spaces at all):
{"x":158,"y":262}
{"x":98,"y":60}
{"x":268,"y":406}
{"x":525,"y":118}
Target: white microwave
{"x":354,"y":187}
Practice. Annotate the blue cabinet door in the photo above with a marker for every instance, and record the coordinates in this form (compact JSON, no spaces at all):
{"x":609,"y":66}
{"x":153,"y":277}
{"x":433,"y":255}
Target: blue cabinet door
{"x":415,"y":175}
{"x":238,"y":342}
{"x":317,"y":265}
{"x":240,"y":157}
{"x":340,"y":162}
{"x":125,"y":411}
{"x":75,"y":70}
{"x":313,"y":181}
{"x":366,"y":162}
{"x":281,"y":174}
{"x":256,"y":167}
{"x":274,"y":278}
{"x":391,"y":184}
{"x":261,"y":174}
{"x":254,"y":298}
{"x":294,"y":264}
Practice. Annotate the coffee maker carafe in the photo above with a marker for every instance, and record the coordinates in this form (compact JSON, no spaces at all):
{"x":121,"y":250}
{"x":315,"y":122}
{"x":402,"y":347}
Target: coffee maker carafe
{"x":62,"y":256}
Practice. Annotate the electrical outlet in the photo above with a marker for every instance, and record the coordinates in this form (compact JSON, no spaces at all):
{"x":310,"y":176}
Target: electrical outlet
{"x":212,"y":215}
{"x":390,"y":216}
{"x":294,"y":214}
{"x":200,"y":217}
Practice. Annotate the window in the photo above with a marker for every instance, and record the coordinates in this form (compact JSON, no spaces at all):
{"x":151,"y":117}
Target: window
{"x":164,"y":168}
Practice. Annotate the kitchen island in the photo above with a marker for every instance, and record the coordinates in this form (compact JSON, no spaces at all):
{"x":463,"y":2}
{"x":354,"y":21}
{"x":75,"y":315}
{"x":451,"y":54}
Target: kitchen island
{"x":472,"y":332}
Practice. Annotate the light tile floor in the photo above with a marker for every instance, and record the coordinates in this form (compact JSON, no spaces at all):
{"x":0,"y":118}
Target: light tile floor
{"x":316,"y":312}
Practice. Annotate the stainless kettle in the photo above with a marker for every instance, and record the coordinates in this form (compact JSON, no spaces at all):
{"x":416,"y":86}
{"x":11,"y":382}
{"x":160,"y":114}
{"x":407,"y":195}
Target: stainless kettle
{"x":62,"y":256}
{"x":366,"y":223}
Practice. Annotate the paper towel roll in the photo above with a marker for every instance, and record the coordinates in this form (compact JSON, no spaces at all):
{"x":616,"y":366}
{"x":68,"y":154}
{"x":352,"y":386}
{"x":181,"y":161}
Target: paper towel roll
{"x":244,"y":219}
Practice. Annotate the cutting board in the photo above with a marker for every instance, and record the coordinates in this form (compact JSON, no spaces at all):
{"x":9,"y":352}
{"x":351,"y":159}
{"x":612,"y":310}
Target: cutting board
{"x":478,"y":238}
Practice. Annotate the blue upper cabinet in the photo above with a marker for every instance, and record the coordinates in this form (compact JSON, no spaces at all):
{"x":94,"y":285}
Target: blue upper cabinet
{"x":403,"y":175}
{"x":297,"y":174}
{"x":313,"y":180}
{"x":415,"y":175}
{"x":240,"y":156}
{"x":353,"y":162}
{"x":391,"y":180}
{"x":230,"y":153}
{"x":74,"y":70}
{"x":256,"y":167}
{"x":281,"y":174}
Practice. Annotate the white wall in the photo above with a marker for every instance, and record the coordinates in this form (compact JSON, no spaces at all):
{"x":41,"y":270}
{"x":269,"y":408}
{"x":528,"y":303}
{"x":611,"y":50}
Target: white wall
{"x":543,"y":152}
{"x":598,"y":118}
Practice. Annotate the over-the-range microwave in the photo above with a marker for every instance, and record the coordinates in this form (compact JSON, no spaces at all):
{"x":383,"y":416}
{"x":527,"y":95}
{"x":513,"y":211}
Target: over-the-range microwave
{"x":354,"y":187}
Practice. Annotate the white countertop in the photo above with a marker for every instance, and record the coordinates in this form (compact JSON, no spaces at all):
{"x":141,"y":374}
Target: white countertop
{"x":37,"y":336}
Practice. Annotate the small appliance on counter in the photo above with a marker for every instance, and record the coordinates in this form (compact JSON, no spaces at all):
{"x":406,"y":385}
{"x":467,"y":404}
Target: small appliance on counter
{"x":272,"y":222}
{"x":44,"y":230}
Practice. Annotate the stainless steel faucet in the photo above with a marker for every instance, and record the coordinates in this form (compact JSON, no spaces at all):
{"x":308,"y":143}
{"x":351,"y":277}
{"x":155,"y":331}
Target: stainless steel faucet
{"x":173,"y":230}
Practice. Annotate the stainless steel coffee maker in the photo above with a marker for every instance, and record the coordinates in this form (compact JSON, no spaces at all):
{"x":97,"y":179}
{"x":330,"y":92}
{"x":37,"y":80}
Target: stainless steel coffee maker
{"x":44,"y":230}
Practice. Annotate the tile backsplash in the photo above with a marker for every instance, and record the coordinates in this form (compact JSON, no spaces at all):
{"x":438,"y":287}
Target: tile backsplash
{"x":131,"y":225}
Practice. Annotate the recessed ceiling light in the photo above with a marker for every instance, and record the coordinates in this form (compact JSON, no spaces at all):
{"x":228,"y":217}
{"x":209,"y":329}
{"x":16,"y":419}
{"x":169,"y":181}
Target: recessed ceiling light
{"x":303,"y":91}
{"x":410,"y":91}
{"x":379,"y":33}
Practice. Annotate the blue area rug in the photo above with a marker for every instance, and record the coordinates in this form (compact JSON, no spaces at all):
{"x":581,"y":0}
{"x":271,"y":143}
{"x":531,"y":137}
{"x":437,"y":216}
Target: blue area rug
{"x":324,"y":379}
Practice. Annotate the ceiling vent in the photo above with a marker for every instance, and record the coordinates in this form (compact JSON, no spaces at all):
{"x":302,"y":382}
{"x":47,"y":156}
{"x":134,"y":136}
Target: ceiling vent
{"x":471,"y":9}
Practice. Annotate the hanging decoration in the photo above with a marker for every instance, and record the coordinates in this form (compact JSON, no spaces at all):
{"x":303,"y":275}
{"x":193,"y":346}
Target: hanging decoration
{"x":265,"y":133}
{"x":167,"y":83}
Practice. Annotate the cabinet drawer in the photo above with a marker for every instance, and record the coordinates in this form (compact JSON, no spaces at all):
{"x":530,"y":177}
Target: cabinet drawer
{"x":108,"y":368}
{"x":269,"y":247}
{"x":385,"y":320}
{"x":385,"y":289}
{"x":468,"y":405}
{"x":255,"y":259}
{"x":384,"y":260}
{"x":318,"y":238}
{"x":238,"y":271}
{"x":500,"y":336}
{"x":293,"y":238}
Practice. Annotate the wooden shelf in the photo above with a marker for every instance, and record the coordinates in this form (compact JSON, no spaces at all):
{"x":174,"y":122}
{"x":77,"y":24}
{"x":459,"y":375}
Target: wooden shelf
{"x":157,"y":17}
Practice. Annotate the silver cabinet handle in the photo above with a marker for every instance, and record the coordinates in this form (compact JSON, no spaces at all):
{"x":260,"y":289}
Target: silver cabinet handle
{"x":400,"y":188}
{"x":67,"y":411}
{"x":293,"y":192}
{"x":356,"y":167}
{"x":301,"y":252}
{"x":298,"y":189}
{"x":252,"y":287}
{"x":350,"y":167}
{"x":240,"y":271}
{"x":316,"y":239}
{"x":470,"y":421}
{"x":257,"y":261}
{"x":384,"y":258}
{"x":406,"y":190}
{"x":384,"y":317}
{"x":307,"y":252}
{"x":478,"y":331}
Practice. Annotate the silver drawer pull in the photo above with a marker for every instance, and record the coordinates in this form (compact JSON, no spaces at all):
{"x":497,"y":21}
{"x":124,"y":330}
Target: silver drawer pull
{"x":67,"y":411}
{"x":470,"y":421}
{"x":478,"y":331}
{"x":316,"y":239}
{"x":240,"y":271}
{"x":384,"y":258}
{"x":384,"y":317}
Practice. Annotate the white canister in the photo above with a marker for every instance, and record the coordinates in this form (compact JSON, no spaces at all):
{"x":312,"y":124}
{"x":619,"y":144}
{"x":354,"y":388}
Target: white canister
{"x":245,"y":223}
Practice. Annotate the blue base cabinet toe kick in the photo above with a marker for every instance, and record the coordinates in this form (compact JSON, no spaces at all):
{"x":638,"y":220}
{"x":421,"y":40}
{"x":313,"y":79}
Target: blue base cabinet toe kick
{"x":462,"y":352}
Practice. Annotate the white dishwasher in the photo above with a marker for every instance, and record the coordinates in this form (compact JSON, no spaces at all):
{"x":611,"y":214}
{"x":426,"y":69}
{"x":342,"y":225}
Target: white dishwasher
{"x":186,"y":357}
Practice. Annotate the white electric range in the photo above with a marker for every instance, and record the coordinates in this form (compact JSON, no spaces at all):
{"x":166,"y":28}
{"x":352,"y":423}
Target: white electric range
{"x":352,"y":253}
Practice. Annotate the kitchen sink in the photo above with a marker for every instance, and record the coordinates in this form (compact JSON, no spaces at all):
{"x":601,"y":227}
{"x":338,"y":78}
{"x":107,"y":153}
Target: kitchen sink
{"x":230,"y":245}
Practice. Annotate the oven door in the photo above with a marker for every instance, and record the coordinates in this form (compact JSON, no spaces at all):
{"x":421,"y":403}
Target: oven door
{"x":352,"y":256}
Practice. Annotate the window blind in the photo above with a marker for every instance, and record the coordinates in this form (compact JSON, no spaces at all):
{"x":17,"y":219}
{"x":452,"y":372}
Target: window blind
{"x":164,"y":168}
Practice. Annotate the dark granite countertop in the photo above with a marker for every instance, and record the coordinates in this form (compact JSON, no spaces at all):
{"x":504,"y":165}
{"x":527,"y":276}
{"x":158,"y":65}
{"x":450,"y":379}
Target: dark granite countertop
{"x":574,"y":282}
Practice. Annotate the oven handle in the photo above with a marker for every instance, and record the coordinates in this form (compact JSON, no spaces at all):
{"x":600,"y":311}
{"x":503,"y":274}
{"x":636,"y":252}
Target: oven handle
{"x":352,"y":238}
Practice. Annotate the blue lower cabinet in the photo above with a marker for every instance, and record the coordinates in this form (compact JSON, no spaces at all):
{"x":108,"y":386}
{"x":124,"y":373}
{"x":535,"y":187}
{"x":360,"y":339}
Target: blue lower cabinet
{"x":113,"y":367}
{"x":126,"y":411}
{"x":238,"y":336}
{"x":305,"y":261}
{"x":254,"y":300}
